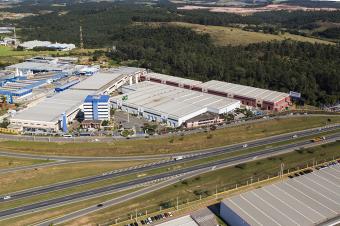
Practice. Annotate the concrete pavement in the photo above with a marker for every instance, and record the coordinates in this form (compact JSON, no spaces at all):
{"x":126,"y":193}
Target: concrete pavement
{"x":193,"y":170}
{"x":159,"y":164}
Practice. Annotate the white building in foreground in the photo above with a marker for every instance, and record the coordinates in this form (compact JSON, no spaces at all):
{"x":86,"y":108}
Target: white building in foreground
{"x":169,"y":104}
{"x":47,"y":115}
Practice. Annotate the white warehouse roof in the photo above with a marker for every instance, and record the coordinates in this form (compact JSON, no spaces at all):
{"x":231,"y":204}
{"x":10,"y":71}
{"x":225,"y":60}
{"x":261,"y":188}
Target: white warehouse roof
{"x":34,"y":43}
{"x":103,"y":79}
{"x":42,"y":66}
{"x":310,"y":199}
{"x":182,"y":221}
{"x":69,"y":101}
{"x":174,"y":79}
{"x":173,"y":101}
{"x":50,"y":109}
{"x":244,"y":91}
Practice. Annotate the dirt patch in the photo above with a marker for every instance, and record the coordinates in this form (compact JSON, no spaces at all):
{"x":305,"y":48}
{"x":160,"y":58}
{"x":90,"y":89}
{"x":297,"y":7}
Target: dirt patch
{"x":248,"y":11}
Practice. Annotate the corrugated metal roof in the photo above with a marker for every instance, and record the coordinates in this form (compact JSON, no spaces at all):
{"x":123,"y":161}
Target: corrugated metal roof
{"x":182,"y":221}
{"x":172,"y":101}
{"x":245,"y":91}
{"x":304,"y":200}
{"x":103,"y":79}
{"x":42,"y":66}
{"x":50,"y":109}
{"x":173,"y":79}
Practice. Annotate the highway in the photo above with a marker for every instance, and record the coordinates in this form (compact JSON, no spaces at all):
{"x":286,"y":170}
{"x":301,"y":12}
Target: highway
{"x":163,"y":163}
{"x":166,"y":175}
{"x":261,"y":141}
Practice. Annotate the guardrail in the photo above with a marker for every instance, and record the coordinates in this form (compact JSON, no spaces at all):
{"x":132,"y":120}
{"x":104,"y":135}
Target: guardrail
{"x":184,"y":206}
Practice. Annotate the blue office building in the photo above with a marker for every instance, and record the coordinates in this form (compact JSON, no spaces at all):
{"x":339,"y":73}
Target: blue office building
{"x":97,"y":107}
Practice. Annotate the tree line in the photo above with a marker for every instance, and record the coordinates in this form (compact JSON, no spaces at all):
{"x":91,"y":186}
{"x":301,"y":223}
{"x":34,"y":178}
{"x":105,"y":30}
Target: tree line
{"x":311,"y":69}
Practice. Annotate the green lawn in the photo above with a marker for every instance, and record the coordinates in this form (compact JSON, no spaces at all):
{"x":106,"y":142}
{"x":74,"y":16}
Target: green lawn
{"x":9,"y":162}
{"x":188,"y":189}
{"x":236,"y":36}
{"x":206,"y":184}
{"x":164,"y":145}
{"x":26,"y":179}
{"x":9,"y":55}
{"x":35,"y":218}
{"x":31,"y":182}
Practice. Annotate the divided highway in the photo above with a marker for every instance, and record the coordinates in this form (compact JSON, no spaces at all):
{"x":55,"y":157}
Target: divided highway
{"x":164,"y":163}
{"x":259,"y":142}
{"x":137,"y":182}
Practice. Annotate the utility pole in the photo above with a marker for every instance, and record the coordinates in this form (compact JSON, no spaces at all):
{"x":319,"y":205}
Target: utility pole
{"x":216,"y":190}
{"x":81,"y":43}
{"x":15,"y":36}
{"x":136,"y":215}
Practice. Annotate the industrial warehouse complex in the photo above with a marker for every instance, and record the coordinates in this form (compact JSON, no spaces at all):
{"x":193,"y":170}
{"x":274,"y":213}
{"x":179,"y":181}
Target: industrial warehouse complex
{"x":47,"y":114}
{"x":250,"y":96}
{"x":306,"y":200}
{"x":161,"y":98}
{"x":170,"y":105}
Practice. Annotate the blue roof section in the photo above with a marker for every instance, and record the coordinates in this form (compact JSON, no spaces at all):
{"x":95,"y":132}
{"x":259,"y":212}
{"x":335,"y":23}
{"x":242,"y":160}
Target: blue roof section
{"x":26,"y":89}
{"x":99,"y":98}
{"x":66,"y":86}
{"x":19,"y":93}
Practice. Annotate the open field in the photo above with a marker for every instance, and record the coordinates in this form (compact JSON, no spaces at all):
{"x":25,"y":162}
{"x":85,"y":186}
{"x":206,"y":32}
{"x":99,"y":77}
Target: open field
{"x":235,"y":36}
{"x":9,"y":55}
{"x":16,"y":181}
{"x":41,"y":197}
{"x":206,"y":184}
{"x":251,"y":10}
{"x":262,"y":169}
{"x":30,"y":200}
{"x":9,"y":162}
{"x":165,"y":145}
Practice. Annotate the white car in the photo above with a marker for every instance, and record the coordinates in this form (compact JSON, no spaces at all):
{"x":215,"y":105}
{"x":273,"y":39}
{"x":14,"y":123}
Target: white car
{"x":245,"y":145}
{"x":295,"y":136}
{"x":7,"y":197}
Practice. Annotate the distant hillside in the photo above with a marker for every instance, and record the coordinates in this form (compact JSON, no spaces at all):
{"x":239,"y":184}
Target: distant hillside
{"x":236,"y":36}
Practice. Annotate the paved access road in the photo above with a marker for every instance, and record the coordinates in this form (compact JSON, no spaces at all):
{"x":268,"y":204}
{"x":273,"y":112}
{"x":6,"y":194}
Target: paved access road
{"x":190,"y":170}
{"x":162,"y":163}
{"x":254,"y":143}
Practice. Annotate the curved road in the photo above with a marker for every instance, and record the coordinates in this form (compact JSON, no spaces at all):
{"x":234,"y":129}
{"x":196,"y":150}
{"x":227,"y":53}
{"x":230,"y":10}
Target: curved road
{"x":253,"y":143}
{"x":197,"y":168}
{"x":162,"y":163}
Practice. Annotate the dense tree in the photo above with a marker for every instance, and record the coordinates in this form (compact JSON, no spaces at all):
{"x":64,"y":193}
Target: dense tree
{"x":311,"y":69}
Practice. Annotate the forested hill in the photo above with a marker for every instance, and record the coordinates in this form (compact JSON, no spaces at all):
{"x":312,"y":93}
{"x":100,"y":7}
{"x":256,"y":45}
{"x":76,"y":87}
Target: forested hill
{"x":311,"y":69}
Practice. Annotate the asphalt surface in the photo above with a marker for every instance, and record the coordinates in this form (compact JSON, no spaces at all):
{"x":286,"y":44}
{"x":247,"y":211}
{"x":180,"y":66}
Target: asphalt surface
{"x":261,"y":141}
{"x":110,"y":139}
{"x":41,"y":165}
{"x":114,"y":201}
{"x":159,"y":164}
{"x":167,"y":175}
